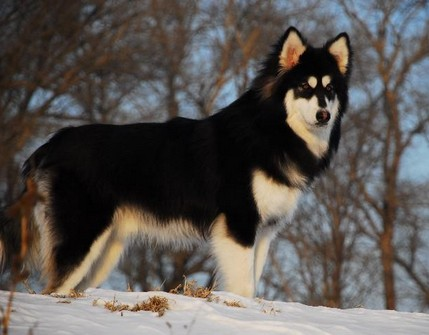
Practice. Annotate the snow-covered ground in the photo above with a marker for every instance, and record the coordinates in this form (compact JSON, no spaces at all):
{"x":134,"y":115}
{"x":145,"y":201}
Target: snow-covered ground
{"x":44,"y":315}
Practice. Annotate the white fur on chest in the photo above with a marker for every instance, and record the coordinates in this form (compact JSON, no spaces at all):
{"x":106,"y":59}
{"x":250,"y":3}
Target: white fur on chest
{"x":273,"y":200}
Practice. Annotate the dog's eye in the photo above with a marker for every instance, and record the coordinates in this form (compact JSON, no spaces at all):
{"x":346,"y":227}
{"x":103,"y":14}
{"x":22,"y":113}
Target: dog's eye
{"x":304,"y":86}
{"x":329,"y":87}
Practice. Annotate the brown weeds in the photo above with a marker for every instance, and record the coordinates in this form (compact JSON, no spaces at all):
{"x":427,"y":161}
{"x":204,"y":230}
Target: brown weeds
{"x":156,"y":304}
{"x":233,"y":303}
{"x":191,"y":289}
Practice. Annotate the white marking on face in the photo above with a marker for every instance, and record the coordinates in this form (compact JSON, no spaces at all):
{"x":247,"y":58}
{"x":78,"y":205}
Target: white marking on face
{"x":333,"y":106}
{"x":301,"y":117}
{"x":312,"y":81}
{"x":326,"y":80}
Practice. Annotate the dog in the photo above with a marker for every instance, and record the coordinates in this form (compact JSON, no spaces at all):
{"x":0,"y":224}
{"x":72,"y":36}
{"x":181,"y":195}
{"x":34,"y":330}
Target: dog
{"x":233,"y":179}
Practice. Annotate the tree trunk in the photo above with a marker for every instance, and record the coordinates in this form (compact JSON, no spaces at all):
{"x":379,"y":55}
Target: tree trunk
{"x":388,"y":255}
{"x":387,"y":259}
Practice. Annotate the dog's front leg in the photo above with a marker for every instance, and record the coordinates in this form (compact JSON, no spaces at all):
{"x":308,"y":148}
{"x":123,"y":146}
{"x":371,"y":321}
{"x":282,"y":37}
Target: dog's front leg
{"x":262,"y":245}
{"x":235,"y":262}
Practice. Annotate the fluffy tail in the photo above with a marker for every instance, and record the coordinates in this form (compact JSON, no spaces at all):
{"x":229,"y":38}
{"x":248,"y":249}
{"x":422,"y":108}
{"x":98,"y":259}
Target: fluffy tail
{"x":10,"y":239}
{"x":18,"y":236}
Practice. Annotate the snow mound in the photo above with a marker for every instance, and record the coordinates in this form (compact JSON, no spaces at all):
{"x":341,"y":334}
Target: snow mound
{"x":223,"y":313}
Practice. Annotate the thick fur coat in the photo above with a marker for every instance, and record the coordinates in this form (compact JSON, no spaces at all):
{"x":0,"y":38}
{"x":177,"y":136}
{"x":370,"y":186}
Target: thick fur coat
{"x":232,"y":179}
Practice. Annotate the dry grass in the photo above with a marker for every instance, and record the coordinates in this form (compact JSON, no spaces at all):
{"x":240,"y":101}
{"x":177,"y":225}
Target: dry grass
{"x":191,"y":289}
{"x":73,"y":294}
{"x":156,"y":304}
{"x":268,"y":307}
{"x":76,"y":294}
{"x":65,"y":299}
{"x":234,"y":303}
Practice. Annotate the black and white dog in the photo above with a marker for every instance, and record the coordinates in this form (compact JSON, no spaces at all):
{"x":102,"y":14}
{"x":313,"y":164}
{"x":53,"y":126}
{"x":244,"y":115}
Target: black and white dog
{"x":232,"y":179}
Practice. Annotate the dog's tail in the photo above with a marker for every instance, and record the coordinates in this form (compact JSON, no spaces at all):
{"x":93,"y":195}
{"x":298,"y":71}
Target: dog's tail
{"x":10,"y":239}
{"x":18,"y":234}
{"x":19,"y":237}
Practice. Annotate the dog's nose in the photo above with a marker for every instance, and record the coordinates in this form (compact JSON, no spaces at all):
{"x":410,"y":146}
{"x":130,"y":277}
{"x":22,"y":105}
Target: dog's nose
{"x":323,"y":116}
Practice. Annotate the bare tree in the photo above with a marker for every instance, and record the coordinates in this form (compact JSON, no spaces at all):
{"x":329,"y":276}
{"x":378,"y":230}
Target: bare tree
{"x":366,"y":221}
{"x":65,"y":62}
{"x":60,"y":61}
{"x":319,"y":257}
{"x":399,"y":48}
{"x":411,"y":245}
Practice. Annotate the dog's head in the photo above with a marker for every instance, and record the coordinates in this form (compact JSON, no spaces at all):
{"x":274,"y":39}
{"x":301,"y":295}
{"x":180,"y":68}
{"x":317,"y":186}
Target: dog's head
{"x":310,"y":83}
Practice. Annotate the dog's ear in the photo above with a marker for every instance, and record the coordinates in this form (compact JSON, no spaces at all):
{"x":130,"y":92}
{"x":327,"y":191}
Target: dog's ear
{"x":339,"y":47}
{"x":293,"y":47}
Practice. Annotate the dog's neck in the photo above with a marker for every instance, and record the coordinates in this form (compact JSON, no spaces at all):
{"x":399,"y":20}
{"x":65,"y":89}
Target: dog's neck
{"x":316,"y":139}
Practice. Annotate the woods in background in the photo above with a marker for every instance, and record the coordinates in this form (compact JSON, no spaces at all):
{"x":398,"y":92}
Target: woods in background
{"x":360,"y":238}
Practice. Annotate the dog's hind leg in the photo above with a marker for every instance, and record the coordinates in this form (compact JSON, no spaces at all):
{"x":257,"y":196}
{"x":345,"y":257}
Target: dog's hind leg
{"x":107,"y":260}
{"x":78,"y":221}
{"x":73,"y":277}
{"x":235,"y":262}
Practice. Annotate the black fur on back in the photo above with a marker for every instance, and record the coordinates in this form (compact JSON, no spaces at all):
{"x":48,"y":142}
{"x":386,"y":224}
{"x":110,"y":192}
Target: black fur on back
{"x":188,"y":169}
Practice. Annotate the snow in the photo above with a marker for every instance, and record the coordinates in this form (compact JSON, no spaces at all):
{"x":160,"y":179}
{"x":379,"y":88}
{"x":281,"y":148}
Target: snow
{"x":40,"y":314}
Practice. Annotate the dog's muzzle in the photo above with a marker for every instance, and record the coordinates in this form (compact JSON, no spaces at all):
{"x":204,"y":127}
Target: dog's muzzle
{"x":323,"y":117}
